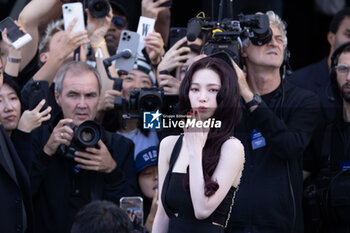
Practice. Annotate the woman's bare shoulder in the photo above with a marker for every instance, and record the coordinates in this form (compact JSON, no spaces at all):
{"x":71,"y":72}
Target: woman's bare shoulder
{"x":233,"y":145}
{"x":167,"y":145}
{"x":169,"y":140}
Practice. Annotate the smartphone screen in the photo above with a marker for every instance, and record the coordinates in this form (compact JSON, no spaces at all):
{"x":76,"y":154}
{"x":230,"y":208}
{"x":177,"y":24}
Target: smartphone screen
{"x":16,"y":36}
{"x":133,"y":206}
{"x":13,"y":31}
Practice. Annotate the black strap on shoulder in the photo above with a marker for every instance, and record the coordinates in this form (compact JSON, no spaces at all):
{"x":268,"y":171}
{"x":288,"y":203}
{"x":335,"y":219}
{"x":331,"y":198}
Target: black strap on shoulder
{"x":326,"y":146}
{"x":175,"y":153}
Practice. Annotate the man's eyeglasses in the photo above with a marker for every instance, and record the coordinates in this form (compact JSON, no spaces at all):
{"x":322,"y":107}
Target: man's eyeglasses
{"x":119,"y":22}
{"x":342,"y":69}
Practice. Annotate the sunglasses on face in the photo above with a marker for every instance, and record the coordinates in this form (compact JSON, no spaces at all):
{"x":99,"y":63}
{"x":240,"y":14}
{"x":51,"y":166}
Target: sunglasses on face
{"x":119,"y":22}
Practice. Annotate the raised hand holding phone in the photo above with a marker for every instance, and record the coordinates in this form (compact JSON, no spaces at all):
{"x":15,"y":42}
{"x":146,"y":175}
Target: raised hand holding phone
{"x":133,"y":206}
{"x":70,"y":12}
{"x":129,"y":41}
{"x":17,"y":37}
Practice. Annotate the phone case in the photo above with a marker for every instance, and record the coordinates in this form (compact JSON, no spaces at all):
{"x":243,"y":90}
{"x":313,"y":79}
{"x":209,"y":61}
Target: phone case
{"x":135,"y":205}
{"x":71,"y":11}
{"x":176,"y":33}
{"x":129,"y":40}
{"x":16,"y":36}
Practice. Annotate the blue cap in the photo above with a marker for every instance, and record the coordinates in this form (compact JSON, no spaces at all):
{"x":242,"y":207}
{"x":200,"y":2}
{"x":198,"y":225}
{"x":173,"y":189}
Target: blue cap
{"x":146,"y":158}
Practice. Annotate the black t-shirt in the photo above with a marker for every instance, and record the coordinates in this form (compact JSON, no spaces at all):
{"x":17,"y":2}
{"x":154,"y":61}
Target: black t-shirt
{"x":340,"y":145}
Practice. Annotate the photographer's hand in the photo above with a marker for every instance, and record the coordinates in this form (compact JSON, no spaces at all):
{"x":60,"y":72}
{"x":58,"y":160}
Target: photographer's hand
{"x":67,"y":42}
{"x":169,"y":83}
{"x":33,"y":119}
{"x":12,"y":67}
{"x":244,"y":88}
{"x":98,"y":27}
{"x":175,"y":56}
{"x":154,"y":46}
{"x":96,"y":159}
{"x":107,"y":101}
{"x":61,"y":134}
{"x":151,"y":9}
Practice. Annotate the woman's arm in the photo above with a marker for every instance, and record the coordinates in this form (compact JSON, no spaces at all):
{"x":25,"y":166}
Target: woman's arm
{"x":161,"y":219}
{"x":226,"y":174}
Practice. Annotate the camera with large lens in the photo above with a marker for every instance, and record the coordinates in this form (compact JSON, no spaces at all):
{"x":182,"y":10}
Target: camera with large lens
{"x":98,"y":8}
{"x":227,"y":35}
{"x":86,"y":135}
{"x":146,"y":99}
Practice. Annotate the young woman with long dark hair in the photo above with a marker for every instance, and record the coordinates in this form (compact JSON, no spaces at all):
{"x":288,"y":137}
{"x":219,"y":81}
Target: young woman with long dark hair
{"x":200,"y":170}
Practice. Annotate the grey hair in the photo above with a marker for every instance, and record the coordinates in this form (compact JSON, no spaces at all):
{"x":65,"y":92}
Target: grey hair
{"x":51,"y":29}
{"x":75,"y":67}
{"x":275,"y":20}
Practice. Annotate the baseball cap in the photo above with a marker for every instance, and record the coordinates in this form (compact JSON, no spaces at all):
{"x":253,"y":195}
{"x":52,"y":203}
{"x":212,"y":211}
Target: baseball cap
{"x":143,"y":160}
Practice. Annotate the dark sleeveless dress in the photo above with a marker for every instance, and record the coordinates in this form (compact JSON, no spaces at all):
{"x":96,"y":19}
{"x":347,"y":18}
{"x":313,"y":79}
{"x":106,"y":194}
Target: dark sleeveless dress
{"x":178,"y":205}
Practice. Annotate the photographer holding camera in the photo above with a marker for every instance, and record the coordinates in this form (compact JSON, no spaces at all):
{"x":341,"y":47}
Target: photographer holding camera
{"x":61,"y":184}
{"x":331,"y":186}
{"x":277,"y":123}
{"x":133,"y":85}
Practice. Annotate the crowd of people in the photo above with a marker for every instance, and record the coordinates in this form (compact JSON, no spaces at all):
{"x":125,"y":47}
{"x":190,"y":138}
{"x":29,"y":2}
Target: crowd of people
{"x":73,"y":142}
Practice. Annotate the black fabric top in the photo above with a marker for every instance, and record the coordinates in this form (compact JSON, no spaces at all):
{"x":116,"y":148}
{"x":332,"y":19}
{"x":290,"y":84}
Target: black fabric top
{"x":178,"y":204}
{"x":179,"y":201}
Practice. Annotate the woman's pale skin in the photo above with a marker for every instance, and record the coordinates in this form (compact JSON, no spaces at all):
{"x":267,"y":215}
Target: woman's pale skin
{"x":229,"y":169}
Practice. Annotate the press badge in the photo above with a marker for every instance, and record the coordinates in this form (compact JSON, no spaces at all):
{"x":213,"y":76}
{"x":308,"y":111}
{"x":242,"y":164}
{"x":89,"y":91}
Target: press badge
{"x":257,"y":139}
{"x":344,"y":165}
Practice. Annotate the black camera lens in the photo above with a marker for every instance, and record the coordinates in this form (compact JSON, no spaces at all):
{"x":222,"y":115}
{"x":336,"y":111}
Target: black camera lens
{"x":98,"y":8}
{"x":88,"y":134}
{"x":150,"y":103}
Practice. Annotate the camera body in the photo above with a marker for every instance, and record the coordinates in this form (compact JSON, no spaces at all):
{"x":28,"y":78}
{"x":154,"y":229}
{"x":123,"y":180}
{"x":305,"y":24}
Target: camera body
{"x":227,"y":35}
{"x":86,"y":135}
{"x":146,"y":99}
{"x":98,"y":8}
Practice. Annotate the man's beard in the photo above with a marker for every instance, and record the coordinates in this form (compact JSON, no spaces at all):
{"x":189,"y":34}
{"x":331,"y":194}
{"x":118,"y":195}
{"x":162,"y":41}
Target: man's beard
{"x":346,"y":93}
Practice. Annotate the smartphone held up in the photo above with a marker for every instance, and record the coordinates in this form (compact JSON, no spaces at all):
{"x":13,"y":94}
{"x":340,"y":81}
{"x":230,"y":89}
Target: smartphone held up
{"x":73,"y":11}
{"x":17,"y":37}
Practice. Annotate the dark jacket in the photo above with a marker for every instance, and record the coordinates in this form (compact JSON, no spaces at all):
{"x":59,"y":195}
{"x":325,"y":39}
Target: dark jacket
{"x":59,"y":192}
{"x":269,"y":195}
{"x":22,"y":142}
{"x":14,"y":193}
{"x":34,"y":91}
{"x":316,"y":78}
